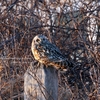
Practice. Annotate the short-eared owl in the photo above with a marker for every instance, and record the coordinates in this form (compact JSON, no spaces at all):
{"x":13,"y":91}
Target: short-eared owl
{"x":47,"y":53}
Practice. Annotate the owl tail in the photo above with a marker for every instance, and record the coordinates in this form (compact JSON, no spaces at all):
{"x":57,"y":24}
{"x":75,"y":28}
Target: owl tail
{"x":63,"y":65}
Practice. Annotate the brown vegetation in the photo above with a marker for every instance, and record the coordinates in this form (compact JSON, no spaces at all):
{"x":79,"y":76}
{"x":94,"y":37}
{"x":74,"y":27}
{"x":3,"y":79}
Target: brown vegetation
{"x":74,"y":28}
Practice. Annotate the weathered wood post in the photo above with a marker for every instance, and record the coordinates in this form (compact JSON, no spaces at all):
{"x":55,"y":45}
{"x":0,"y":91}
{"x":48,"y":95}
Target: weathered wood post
{"x":40,"y":83}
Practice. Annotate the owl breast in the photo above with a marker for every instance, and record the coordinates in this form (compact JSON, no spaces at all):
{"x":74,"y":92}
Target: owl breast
{"x":40,"y":55}
{"x":36,"y":54}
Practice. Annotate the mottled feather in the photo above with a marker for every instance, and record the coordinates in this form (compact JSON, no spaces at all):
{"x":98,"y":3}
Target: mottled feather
{"x":47,"y":53}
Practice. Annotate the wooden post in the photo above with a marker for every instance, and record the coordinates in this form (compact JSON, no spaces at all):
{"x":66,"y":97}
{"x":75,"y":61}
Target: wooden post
{"x":40,"y":83}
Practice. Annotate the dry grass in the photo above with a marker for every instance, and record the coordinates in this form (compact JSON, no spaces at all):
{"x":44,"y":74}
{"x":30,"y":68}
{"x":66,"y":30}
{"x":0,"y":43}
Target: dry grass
{"x":70,"y":30}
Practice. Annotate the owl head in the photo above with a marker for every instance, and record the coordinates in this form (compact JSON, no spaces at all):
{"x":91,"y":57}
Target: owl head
{"x":39,"y":40}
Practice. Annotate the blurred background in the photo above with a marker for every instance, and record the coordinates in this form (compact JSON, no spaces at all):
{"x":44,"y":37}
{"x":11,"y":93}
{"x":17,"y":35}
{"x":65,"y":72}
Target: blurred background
{"x":73,"y":25}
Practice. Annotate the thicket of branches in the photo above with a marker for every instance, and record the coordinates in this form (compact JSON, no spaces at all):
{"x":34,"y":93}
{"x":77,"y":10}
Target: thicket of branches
{"x":73,"y":25}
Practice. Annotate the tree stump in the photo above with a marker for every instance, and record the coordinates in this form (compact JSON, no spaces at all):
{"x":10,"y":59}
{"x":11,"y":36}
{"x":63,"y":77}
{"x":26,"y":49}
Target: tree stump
{"x":40,"y":82}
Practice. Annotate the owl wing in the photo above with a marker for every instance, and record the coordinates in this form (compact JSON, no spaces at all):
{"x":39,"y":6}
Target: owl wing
{"x":53,"y":53}
{"x":56,"y":56}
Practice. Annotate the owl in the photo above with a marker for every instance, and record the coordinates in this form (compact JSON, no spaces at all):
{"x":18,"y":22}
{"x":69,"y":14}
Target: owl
{"x":47,"y":53}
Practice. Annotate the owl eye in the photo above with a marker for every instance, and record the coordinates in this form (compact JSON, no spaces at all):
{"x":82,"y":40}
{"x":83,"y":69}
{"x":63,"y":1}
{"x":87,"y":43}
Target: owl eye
{"x":37,"y":40}
{"x":43,"y":39}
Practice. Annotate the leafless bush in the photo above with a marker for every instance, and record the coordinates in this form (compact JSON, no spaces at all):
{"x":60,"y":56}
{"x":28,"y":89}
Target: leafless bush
{"x":73,"y":25}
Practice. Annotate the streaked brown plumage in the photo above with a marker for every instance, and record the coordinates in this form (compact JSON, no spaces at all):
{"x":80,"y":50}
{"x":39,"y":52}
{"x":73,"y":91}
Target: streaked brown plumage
{"x":47,"y":53}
